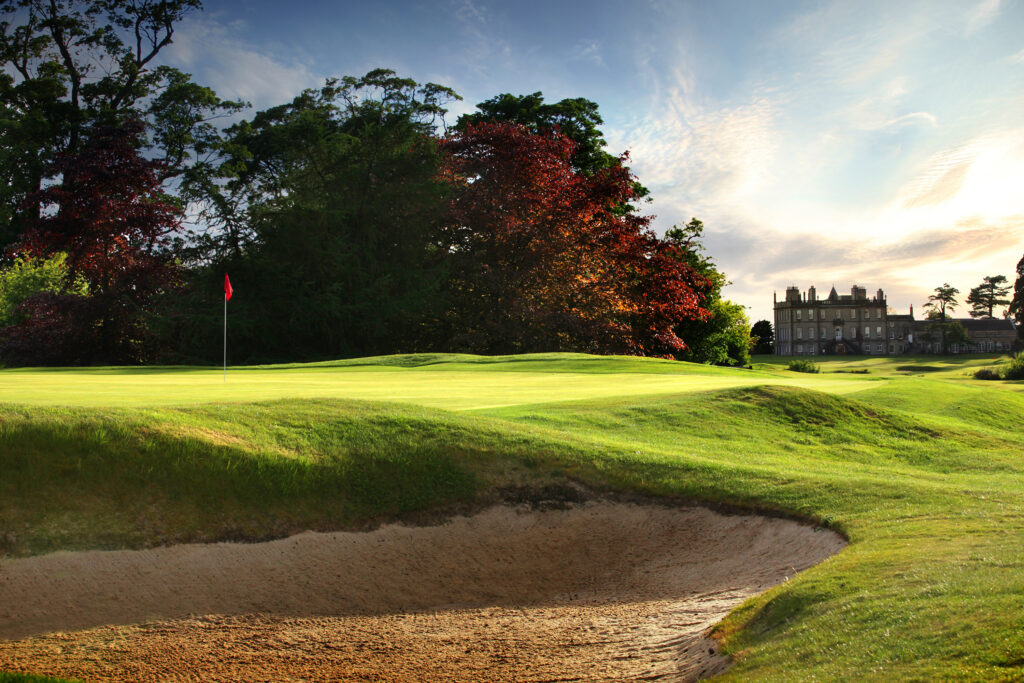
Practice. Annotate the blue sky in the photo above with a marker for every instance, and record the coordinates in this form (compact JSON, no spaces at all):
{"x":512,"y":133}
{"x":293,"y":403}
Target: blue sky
{"x":827,"y":142}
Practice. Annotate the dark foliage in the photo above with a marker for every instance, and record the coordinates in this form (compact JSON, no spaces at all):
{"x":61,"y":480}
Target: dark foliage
{"x":110,"y":217}
{"x":765,"y":335}
{"x":1017,"y":303}
{"x":339,"y":254}
{"x":55,"y":329}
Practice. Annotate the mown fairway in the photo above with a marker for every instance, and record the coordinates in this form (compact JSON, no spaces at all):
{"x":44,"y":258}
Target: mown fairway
{"x":919,"y":465}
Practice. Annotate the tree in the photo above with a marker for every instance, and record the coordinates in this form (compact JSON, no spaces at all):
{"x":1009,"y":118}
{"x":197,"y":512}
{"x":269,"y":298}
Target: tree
{"x":541,"y":258}
{"x":575,"y":118}
{"x":68,"y":66}
{"x":722,"y":337}
{"x":330,"y":208}
{"x":1017,"y":304}
{"x":988,"y":295}
{"x":942,"y":300}
{"x":115,"y":224}
{"x":764,"y":335}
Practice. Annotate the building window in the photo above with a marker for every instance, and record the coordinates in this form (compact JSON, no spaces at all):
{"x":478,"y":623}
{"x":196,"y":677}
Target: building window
{"x":798,"y":314}
{"x":810,"y":314}
{"x":799,"y":348}
{"x":799,"y":333}
{"x":867,"y":331}
{"x":824,"y":333}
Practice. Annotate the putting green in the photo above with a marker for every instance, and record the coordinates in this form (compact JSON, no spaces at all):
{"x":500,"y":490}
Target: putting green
{"x":449,"y":386}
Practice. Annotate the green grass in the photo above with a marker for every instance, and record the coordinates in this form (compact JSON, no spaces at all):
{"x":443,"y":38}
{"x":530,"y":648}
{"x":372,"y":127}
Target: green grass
{"x":920,"y":468}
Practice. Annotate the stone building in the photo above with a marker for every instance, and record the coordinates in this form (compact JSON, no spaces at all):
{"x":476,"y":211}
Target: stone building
{"x":857,"y":324}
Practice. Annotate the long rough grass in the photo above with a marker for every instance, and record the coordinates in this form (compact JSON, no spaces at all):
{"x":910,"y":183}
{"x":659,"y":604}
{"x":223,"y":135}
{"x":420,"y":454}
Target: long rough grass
{"x":916,"y":462}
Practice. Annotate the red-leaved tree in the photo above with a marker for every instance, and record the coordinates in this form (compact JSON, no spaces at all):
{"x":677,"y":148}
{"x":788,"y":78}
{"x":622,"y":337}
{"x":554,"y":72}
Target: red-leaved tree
{"x":543,"y":258}
{"x":110,"y":216}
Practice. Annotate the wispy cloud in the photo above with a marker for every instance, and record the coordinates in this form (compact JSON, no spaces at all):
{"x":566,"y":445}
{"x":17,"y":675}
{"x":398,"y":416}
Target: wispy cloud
{"x":850,"y":168}
{"x":587,"y":51}
{"x":481,"y":45}
{"x":981,"y":15}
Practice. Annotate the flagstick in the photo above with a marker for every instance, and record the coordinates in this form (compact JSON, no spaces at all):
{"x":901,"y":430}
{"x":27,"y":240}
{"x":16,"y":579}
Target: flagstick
{"x":225,"y":338}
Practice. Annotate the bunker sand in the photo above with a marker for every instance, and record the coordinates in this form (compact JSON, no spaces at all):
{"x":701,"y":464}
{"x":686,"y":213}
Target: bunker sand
{"x":601,"y":591}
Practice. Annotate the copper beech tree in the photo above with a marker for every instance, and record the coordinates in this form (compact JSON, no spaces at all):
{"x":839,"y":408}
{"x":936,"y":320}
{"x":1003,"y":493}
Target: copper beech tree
{"x":543,"y":259}
{"x":110,"y":216}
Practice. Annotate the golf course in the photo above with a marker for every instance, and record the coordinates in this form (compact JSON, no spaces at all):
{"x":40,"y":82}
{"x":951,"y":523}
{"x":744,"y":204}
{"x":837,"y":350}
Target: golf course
{"x":905,"y":474}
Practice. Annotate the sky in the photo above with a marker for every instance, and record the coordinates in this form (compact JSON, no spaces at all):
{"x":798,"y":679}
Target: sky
{"x":821,"y":142}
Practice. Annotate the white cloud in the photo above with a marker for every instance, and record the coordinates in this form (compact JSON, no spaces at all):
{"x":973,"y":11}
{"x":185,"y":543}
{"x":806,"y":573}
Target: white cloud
{"x":234,"y":69}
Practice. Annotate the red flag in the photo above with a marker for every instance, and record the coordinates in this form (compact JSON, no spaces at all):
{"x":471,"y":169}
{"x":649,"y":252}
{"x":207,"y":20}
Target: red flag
{"x":227,"y":288}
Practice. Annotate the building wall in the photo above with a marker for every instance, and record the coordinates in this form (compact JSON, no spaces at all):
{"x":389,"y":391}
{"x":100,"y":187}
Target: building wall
{"x":806,"y":325}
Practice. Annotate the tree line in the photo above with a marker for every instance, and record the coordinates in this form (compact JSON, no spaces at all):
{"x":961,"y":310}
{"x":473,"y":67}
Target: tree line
{"x":353,"y":220}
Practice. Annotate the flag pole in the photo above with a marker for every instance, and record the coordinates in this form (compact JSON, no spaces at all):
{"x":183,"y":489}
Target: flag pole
{"x":227,"y":295}
{"x":225,"y":337}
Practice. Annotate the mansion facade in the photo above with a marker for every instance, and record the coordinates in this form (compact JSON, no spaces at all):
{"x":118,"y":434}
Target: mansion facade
{"x":857,"y":324}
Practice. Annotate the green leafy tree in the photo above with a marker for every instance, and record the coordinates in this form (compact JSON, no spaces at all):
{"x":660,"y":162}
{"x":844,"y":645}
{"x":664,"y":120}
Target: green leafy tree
{"x":28,"y":275}
{"x":764,"y":335}
{"x":989,"y":295}
{"x":330,"y":208}
{"x":723,"y":336}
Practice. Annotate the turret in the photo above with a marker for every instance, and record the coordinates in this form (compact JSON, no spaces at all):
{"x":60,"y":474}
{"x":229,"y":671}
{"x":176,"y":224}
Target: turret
{"x":811,"y":294}
{"x":859,"y":293}
{"x":793,"y":295}
{"x":880,"y":296}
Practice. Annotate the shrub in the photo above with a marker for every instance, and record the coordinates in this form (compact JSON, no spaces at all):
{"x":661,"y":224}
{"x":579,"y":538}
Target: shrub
{"x":803,"y":366}
{"x":1015,"y":370}
{"x":987,"y":373}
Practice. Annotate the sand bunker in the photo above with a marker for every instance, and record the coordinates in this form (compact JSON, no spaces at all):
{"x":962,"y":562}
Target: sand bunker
{"x":601,"y":591}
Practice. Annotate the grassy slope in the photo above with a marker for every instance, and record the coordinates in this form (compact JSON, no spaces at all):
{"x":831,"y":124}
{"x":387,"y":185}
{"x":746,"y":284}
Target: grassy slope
{"x":922,"y":470}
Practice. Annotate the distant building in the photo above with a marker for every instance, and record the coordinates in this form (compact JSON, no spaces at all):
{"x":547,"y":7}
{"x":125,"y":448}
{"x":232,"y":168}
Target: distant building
{"x":855,"y":324}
